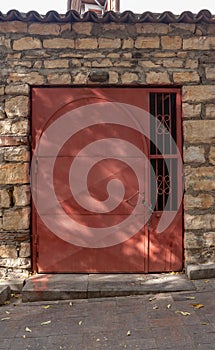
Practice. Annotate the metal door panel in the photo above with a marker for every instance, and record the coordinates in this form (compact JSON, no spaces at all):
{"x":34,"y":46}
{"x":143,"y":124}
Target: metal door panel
{"x":64,"y":226}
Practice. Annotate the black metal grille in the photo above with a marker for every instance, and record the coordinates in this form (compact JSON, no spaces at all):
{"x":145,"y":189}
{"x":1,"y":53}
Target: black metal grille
{"x":163,"y":150}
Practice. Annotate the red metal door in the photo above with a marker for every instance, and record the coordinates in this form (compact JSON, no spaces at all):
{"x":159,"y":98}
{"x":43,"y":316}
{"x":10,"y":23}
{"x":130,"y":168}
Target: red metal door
{"x":92,"y":172}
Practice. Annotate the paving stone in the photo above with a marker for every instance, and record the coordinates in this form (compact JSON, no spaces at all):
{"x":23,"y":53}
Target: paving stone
{"x":111,"y":323}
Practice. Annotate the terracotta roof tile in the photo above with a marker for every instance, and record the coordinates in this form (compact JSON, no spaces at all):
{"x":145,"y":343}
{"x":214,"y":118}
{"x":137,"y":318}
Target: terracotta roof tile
{"x":203,"y":16}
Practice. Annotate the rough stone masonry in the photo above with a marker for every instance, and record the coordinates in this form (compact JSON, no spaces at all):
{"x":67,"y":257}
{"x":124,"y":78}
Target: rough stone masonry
{"x":116,"y":53}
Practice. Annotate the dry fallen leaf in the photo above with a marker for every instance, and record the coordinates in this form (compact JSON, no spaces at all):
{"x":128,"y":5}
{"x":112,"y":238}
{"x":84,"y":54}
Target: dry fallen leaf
{"x":197,"y":306}
{"x":46,"y":306}
{"x":5,"y":318}
{"x":45,"y":323}
{"x":128,"y":333}
{"x":28,"y":330}
{"x":206,"y":281}
{"x":205,"y":323}
{"x":155,"y":307}
{"x":183,"y":313}
{"x":190,"y":298}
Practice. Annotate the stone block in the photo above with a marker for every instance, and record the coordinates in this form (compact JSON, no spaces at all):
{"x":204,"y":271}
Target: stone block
{"x":103,"y":63}
{"x":212,"y":155}
{"x":198,"y":93}
{"x":191,"y":110}
{"x":56,"y":64}
{"x":185,"y":77}
{"x":200,"y":179}
{"x":75,"y":63}
{"x":86,"y":43}
{"x":129,"y":78}
{"x":182,"y":27}
{"x":201,"y":271}
{"x":13,"y":27}
{"x":58,"y":43}
{"x":13,"y":140}
{"x":123,"y":64}
{"x":8,"y":251}
{"x":201,"y":201}
{"x":21,"y":263}
{"x":210,"y":73}
{"x":4,"y":294}
{"x":5,"y":126}
{"x":4,"y":198}
{"x":25,"y":250}
{"x":14,"y":173}
{"x":37,"y":64}
{"x":105,"y":43}
{"x":210,"y":111}
{"x":128,"y":43}
{"x":81,"y":78}
{"x":113,"y":27}
{"x":18,"y":219}
{"x":17,"y":89}
{"x":99,"y":76}
{"x":157,"y":78}
{"x":82,"y":28}
{"x":191,"y":64}
{"x":58,"y":78}
{"x":5,"y":42}
{"x":27,"y":43}
{"x":171,"y":42}
{"x":33,"y":78}
{"x":94,"y":55}
{"x":194,"y":154}
{"x":21,"y":195}
{"x":199,"y":222}
{"x":173,"y":63}
{"x":144,"y":42}
{"x":209,"y":239}
{"x":113,"y":77}
{"x":17,"y":107}
{"x":44,"y":29}
{"x":21,"y":63}
{"x":65,"y":27}
{"x":17,"y":154}
{"x":147,"y":64}
{"x":199,"y":131}
{"x":21,"y":127}
{"x":193,"y":241}
{"x":199,"y":43}
{"x":152,"y":28}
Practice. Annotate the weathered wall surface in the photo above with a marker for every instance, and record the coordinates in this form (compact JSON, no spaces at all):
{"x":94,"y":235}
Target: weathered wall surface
{"x":112,"y":53}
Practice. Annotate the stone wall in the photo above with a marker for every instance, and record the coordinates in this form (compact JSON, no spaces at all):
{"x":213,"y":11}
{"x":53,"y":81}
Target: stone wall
{"x":118,"y":54}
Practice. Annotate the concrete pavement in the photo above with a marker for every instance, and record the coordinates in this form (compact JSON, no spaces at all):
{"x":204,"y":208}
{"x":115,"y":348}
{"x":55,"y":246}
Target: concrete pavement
{"x":172,"y":320}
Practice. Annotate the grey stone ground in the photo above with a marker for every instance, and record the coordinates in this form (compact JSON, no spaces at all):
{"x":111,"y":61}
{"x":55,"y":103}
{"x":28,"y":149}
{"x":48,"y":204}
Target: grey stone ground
{"x":136,"y":322}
